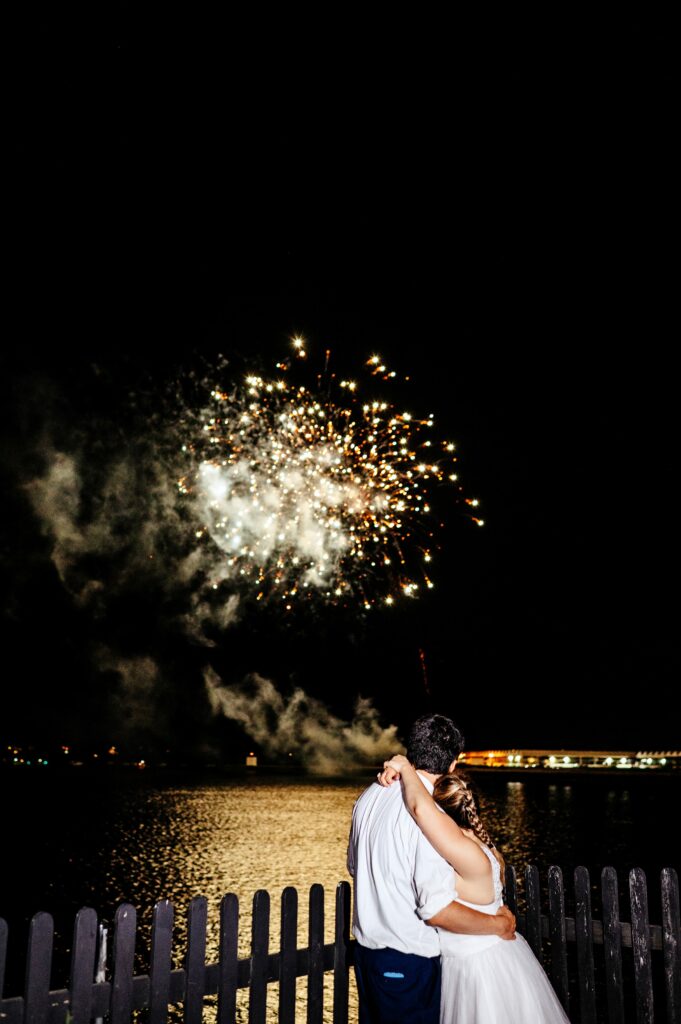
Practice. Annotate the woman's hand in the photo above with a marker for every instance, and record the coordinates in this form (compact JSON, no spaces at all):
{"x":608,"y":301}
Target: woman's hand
{"x":391,"y":769}
{"x":387,"y":776}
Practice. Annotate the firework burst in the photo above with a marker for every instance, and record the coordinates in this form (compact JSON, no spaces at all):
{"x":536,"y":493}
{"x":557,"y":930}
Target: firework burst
{"x":313,"y":492}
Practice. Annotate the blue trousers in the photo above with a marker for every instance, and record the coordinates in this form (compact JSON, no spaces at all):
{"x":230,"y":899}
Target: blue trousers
{"x":397,"y":988}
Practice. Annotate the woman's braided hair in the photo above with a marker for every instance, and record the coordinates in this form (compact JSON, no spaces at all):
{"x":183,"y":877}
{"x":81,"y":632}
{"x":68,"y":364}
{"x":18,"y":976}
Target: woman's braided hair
{"x":454,"y":795}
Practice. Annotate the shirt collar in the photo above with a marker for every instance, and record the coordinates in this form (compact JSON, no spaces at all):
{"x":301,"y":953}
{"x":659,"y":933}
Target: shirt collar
{"x":426,"y":782}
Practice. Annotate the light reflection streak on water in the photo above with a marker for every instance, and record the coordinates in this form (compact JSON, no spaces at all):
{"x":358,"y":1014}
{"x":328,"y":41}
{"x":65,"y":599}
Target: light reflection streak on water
{"x":239,"y":839}
{"x":215,"y":840}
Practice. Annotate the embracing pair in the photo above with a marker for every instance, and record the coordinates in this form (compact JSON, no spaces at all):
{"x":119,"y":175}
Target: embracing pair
{"x":435,"y":942}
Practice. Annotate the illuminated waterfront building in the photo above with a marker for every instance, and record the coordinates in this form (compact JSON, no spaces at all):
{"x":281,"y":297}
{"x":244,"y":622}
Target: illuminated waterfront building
{"x":566,"y":759}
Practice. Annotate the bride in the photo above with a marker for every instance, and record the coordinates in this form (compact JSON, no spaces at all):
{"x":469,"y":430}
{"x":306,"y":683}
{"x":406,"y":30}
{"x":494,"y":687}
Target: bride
{"x":484,"y":980}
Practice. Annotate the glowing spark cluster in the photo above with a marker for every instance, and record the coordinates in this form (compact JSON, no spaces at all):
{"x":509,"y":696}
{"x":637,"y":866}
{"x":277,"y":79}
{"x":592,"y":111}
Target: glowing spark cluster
{"x":306,"y":495}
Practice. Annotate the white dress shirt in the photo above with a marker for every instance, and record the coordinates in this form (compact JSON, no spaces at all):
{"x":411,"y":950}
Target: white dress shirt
{"x":400,"y":880}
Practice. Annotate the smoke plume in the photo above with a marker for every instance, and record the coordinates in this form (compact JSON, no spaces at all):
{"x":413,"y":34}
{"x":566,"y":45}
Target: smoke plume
{"x":302,"y":725}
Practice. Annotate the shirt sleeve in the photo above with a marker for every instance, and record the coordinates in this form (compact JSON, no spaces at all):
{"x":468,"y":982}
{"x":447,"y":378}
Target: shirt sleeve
{"x":433,"y":880}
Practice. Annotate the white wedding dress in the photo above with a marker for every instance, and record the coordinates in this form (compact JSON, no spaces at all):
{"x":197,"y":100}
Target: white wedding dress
{"x":488,"y":980}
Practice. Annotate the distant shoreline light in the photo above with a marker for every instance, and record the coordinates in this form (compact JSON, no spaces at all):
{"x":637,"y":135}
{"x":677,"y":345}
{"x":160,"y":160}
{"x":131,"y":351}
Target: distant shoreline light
{"x":561,"y":760}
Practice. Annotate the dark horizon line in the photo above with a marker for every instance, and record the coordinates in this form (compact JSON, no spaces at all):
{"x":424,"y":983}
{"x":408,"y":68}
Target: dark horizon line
{"x":15,"y":756}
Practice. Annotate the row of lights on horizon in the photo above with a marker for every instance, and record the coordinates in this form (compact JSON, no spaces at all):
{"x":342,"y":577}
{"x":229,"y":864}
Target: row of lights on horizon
{"x":529,"y":759}
{"x":15,"y":755}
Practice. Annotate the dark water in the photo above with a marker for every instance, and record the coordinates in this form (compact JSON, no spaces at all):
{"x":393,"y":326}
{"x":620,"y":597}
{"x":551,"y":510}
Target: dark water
{"x":74,"y":840}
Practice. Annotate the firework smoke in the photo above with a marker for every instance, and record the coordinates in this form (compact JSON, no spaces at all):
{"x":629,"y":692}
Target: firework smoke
{"x":324,"y":743}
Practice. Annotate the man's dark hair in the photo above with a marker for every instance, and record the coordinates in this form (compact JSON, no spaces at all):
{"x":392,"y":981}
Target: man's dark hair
{"x":434,"y":742}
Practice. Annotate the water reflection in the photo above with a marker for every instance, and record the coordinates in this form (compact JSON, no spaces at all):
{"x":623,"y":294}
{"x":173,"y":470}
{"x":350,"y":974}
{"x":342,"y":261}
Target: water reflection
{"x":180,"y":843}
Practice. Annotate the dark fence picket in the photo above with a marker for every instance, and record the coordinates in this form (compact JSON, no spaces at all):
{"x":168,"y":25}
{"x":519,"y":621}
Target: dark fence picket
{"x":315,"y":968}
{"x":257,"y":997}
{"x":585,"y":953}
{"x":83,"y":956}
{"x":125,"y":923}
{"x":38,"y":969}
{"x":671,"y":943}
{"x":612,"y":943}
{"x":510,"y":889}
{"x":640,"y":940}
{"x":557,"y":935}
{"x":197,"y":920}
{"x":3,"y":954}
{"x":533,"y":908}
{"x":341,"y":960}
{"x":161,"y":961}
{"x":229,"y":959}
{"x":287,"y":956}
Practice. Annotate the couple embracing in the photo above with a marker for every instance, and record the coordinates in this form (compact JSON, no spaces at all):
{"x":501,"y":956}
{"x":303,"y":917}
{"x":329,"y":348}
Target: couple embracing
{"x":435,"y":942}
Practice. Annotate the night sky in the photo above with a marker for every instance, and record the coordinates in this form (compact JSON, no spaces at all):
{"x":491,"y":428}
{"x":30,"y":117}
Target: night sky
{"x":505,"y":238}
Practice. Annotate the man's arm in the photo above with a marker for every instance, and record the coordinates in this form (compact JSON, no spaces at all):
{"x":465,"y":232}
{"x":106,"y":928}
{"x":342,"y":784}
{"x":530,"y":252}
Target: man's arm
{"x":456,"y":917}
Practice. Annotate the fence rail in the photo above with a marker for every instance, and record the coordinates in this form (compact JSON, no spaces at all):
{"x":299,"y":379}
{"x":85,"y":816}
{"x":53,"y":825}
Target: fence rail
{"x":643,"y":988}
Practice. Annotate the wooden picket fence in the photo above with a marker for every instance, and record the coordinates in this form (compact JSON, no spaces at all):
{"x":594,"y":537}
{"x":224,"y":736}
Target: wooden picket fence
{"x":643,"y":988}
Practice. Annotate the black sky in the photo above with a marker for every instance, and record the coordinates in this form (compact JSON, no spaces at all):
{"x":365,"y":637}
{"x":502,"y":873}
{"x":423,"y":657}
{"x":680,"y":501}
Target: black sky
{"x":504,"y":233}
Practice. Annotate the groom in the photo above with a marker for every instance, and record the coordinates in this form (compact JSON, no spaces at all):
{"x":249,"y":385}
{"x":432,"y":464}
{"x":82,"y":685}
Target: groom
{"x":404,"y":892}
